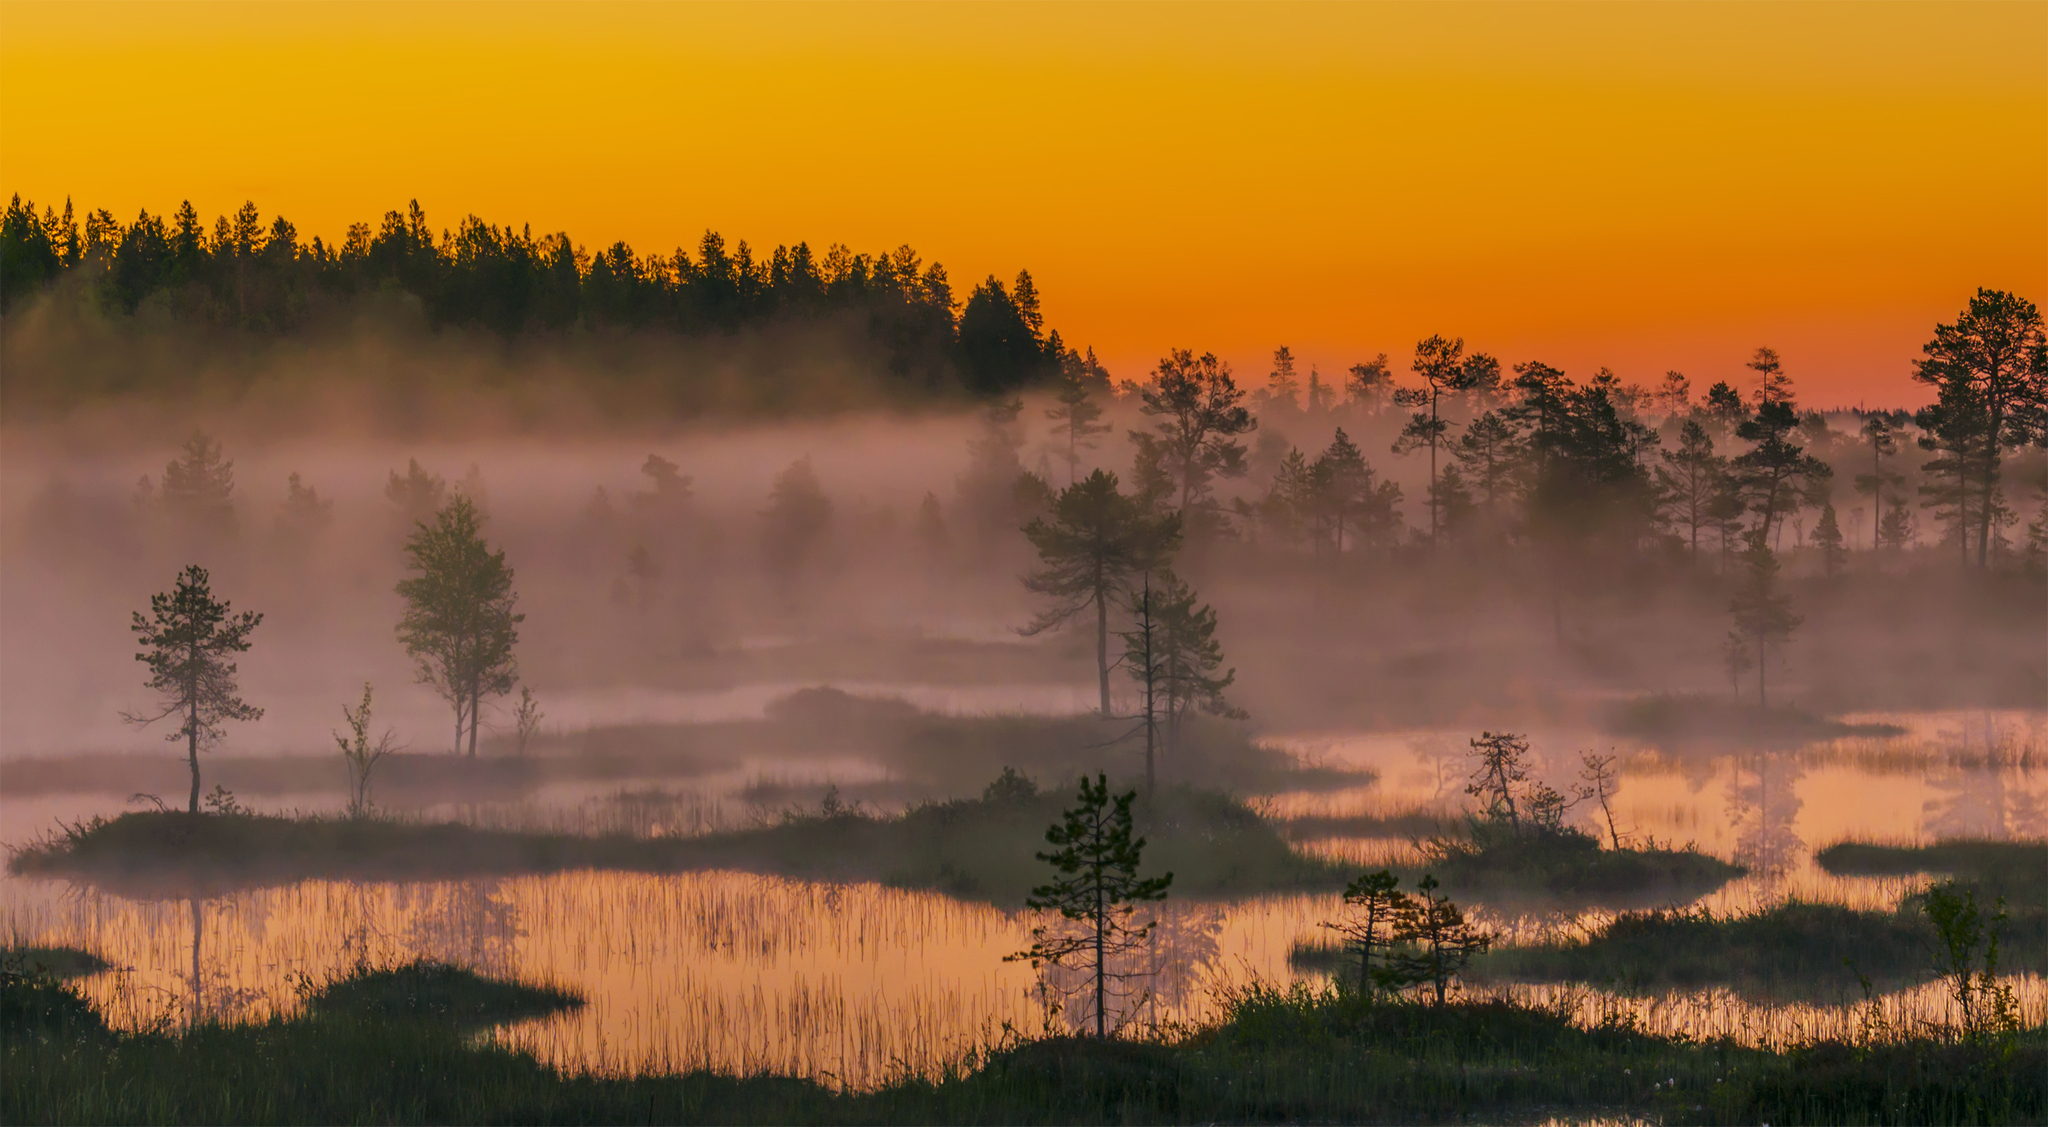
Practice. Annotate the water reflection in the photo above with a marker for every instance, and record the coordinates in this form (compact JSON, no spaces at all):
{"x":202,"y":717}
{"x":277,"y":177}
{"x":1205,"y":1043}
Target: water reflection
{"x":852,"y":983}
{"x":1763,"y":806}
{"x":855,"y":983}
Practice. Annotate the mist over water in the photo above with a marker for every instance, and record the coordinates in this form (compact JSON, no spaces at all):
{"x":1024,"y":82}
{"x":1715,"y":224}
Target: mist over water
{"x":649,"y":615}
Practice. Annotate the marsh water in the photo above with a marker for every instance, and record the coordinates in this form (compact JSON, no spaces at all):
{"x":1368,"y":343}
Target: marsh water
{"x":854,"y":983}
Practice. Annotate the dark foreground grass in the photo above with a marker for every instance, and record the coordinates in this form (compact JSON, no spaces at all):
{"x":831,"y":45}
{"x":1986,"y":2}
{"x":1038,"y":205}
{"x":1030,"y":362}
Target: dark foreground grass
{"x":1278,"y":1057}
{"x":1500,"y":865}
{"x":971,"y":848}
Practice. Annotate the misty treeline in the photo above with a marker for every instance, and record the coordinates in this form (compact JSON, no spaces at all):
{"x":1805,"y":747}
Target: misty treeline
{"x":1578,"y":478}
{"x":248,"y":273}
{"x":1309,"y":528}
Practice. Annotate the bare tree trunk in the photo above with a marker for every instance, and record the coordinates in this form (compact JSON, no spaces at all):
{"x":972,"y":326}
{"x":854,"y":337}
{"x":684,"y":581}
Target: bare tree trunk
{"x":475,"y":707}
{"x":1151,"y":708}
{"x":192,"y":752}
{"x":1102,"y":644}
{"x":1984,"y":514}
{"x":198,"y":925}
{"x":1761,"y":702}
{"x":1432,"y":468}
{"x":1101,"y":973}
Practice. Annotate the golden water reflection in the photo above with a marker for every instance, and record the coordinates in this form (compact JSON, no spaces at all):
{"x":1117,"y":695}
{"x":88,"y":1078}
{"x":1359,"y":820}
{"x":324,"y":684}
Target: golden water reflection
{"x":851,"y":984}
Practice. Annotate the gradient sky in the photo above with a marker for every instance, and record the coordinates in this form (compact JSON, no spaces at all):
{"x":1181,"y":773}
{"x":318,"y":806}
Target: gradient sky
{"x":1644,"y":186}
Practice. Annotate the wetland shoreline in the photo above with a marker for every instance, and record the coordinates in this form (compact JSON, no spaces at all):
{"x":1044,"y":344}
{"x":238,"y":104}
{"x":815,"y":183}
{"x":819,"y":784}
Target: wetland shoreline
{"x":393,"y":1045}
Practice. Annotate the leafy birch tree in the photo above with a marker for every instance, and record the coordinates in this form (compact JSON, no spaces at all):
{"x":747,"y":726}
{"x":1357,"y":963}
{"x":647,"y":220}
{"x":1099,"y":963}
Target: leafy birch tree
{"x":458,"y":625}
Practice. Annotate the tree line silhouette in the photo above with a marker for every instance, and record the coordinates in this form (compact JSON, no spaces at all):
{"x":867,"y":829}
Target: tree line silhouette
{"x":250,"y":274}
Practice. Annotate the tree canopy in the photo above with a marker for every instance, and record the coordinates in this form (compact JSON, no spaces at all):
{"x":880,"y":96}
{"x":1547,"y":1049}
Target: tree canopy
{"x":249,"y":274}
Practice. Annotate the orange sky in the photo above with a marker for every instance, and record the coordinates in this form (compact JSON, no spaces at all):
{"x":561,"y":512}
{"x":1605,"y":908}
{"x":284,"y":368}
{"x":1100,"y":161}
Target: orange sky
{"x":1643,"y":186}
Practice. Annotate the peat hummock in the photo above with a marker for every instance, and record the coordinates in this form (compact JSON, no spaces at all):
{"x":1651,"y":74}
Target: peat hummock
{"x":981,"y":849}
{"x":1493,"y":862}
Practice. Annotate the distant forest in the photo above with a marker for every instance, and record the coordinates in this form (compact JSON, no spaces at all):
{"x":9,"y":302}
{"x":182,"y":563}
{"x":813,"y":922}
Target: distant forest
{"x":252,"y":275}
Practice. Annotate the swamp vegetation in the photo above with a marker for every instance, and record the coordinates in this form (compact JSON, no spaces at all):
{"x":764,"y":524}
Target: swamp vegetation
{"x":971,"y":848}
{"x":389,"y":1045}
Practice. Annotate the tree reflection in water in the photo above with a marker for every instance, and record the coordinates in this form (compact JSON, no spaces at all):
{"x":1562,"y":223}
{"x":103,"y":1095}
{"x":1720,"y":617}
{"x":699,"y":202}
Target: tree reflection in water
{"x":1763,"y":805}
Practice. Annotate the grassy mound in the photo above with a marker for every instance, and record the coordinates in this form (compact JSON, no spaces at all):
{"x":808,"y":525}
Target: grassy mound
{"x":925,"y":755}
{"x":427,"y":991}
{"x":1497,"y":863}
{"x":1718,"y":720}
{"x":2017,"y":870}
{"x":52,"y":962}
{"x":972,"y":848}
{"x":1790,"y":951}
{"x":37,"y":1006}
{"x":1277,"y":1057}
{"x":1793,"y":951}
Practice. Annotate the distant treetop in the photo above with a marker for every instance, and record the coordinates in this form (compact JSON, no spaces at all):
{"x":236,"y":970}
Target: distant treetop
{"x":263,"y":277}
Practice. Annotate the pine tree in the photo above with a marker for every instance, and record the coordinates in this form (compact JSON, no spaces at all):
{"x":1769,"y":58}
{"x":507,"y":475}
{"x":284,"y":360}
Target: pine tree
{"x":1881,"y":433}
{"x":1827,"y":536}
{"x":1172,"y":652}
{"x":1444,"y":367}
{"x":1490,"y":450}
{"x":1452,"y":500}
{"x":199,"y":486}
{"x":1763,"y":615}
{"x":1075,"y":417}
{"x":1370,"y":384}
{"x":304,"y":513}
{"x":795,"y":523}
{"x":1775,"y":466}
{"x":1094,"y":543}
{"x":1289,"y":505}
{"x":1675,"y":394}
{"x":187,"y":640}
{"x":1689,"y":480}
{"x":1283,"y":387}
{"x":1991,"y":370}
{"x":1897,"y":530}
{"x":1372,"y":906}
{"x":1200,"y":414}
{"x":1096,"y":884}
{"x":1439,"y":940}
{"x":1503,"y":766}
{"x":417,"y":496}
{"x":1339,"y":485}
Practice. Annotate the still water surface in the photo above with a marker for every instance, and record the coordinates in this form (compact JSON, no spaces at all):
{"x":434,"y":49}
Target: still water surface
{"x":856,"y":983}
